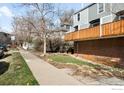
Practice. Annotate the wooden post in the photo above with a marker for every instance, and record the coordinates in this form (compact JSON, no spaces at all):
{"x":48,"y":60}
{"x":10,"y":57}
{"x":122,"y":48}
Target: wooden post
{"x":100,"y":27}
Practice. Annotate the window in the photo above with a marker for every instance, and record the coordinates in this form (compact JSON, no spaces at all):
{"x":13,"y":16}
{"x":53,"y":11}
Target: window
{"x":76,"y":28}
{"x":95,"y":22}
{"x":121,"y":17}
{"x":100,"y":7}
{"x":62,"y":25}
{"x":78,"y":17}
{"x":67,"y":26}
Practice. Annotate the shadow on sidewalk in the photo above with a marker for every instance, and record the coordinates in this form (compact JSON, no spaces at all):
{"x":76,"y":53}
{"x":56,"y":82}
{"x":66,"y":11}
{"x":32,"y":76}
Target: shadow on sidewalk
{"x":3,"y":67}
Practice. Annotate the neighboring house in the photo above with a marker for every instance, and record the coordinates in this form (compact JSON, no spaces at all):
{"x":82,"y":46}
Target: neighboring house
{"x":66,"y":27}
{"x":99,"y":33}
{"x":98,"y":13}
{"x":5,"y":38}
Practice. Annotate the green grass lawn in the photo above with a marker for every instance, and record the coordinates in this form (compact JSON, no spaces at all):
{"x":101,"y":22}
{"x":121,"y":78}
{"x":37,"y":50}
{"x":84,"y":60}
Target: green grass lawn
{"x":69,"y":59}
{"x":18,"y":72}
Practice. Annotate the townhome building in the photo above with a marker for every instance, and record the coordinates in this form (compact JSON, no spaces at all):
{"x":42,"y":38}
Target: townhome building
{"x":99,"y":33}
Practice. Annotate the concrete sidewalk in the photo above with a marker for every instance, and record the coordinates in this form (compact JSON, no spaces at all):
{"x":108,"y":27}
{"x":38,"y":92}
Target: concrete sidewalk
{"x":45,"y":73}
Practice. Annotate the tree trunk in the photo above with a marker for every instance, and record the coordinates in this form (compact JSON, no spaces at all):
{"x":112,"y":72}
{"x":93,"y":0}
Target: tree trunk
{"x":50,"y":46}
{"x":44,"y":50}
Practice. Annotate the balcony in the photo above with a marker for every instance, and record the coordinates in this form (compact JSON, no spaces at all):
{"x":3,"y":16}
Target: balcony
{"x":107,"y":30}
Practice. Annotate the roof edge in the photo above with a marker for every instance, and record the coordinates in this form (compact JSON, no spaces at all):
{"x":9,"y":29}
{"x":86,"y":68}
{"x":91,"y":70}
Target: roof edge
{"x":84,"y":8}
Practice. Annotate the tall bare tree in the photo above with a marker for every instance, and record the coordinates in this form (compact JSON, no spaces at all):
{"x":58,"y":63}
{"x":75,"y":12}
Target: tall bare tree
{"x":43,"y":12}
{"x":40,"y":19}
{"x":67,"y":17}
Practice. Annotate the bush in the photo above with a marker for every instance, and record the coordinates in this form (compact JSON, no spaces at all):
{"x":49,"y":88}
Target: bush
{"x":38,"y":44}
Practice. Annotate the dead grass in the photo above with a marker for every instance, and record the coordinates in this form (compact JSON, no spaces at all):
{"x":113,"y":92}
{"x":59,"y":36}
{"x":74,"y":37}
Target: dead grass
{"x":84,"y":68}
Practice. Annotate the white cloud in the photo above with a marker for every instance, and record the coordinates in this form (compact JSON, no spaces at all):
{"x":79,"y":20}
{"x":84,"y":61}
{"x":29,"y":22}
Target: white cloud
{"x":5,"y":11}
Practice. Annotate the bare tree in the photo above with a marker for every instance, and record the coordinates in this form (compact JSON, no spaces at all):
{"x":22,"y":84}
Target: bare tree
{"x":39,"y":20}
{"x":22,"y":29}
{"x":66,"y":17}
{"x":43,"y":12}
{"x":17,"y":27}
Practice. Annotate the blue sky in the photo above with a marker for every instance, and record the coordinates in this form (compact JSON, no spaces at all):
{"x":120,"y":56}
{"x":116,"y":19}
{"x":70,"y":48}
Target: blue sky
{"x":7,"y":11}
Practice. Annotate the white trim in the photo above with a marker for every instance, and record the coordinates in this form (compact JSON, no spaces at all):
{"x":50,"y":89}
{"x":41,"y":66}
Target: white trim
{"x":98,"y":8}
{"x":111,"y":7}
{"x":119,"y":17}
{"x":79,"y":26}
{"x":111,"y":11}
{"x":88,"y":16}
{"x":110,"y":15}
{"x":100,"y":27}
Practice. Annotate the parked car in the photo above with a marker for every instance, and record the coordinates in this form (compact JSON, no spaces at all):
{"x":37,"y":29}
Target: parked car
{"x":3,"y":47}
{"x":1,"y":53}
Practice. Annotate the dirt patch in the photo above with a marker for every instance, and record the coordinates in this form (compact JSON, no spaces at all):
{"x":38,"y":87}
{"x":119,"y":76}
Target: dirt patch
{"x":64,"y":65}
{"x":86,"y":74}
{"x":87,"y":71}
{"x":68,"y":70}
{"x":83,"y":70}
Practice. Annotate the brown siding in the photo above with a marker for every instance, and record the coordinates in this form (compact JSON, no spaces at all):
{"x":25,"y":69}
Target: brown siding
{"x":102,"y":50}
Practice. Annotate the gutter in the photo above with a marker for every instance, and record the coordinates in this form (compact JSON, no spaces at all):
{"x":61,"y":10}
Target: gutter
{"x":84,"y":8}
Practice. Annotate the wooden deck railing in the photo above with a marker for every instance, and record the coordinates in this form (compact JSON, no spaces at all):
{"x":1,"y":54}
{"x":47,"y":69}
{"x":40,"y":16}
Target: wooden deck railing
{"x":109,"y":29}
{"x":113,"y":29}
{"x":89,"y":33}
